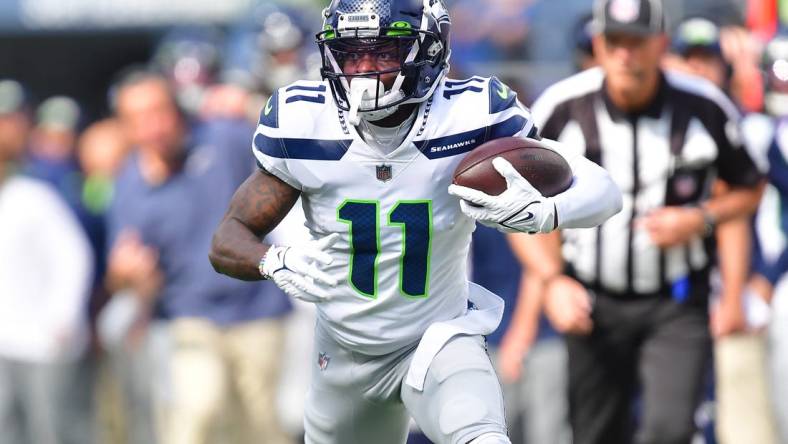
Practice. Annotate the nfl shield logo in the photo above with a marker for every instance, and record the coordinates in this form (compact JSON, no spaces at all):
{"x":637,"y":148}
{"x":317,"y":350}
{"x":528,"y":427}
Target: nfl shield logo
{"x":685,"y":186}
{"x":323,"y":360}
{"x":383,"y":172}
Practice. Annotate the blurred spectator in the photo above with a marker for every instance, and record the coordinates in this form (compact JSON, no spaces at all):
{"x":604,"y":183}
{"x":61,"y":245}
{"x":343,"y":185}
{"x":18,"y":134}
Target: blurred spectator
{"x":54,"y":135}
{"x":493,"y":31}
{"x":633,"y":301}
{"x":266,"y":50}
{"x":584,"y":50}
{"x":697,"y":42}
{"x":727,"y":57}
{"x":101,"y":151}
{"x":190,"y":57}
{"x":225,"y":334}
{"x":271,"y":49}
{"x":742,"y":52}
{"x":775,"y":71}
{"x":45,"y":275}
{"x":743,"y":406}
{"x":16,"y":123}
{"x":531,"y":359}
{"x":50,"y":154}
{"x":529,"y":355}
{"x":770,"y":278}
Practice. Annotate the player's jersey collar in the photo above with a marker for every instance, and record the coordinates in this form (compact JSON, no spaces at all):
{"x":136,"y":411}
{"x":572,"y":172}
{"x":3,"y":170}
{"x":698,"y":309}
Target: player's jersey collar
{"x":422,"y":114}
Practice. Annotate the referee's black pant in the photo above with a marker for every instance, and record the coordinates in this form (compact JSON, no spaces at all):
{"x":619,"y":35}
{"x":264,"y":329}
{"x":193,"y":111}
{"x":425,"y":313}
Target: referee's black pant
{"x":655,"y":347}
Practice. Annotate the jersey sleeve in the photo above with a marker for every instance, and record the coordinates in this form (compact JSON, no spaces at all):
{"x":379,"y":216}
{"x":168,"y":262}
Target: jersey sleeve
{"x":509,"y":117}
{"x":734,"y":164}
{"x":551,"y":110}
{"x":269,"y":147}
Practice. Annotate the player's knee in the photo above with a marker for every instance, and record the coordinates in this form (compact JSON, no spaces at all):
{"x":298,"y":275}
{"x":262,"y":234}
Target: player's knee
{"x":461,"y":412}
{"x":491,"y":438}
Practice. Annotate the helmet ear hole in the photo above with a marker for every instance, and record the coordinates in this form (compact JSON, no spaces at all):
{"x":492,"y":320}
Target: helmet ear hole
{"x":434,"y":50}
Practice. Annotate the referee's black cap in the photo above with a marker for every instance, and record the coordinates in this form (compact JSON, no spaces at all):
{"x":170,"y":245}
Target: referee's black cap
{"x":639,"y":17}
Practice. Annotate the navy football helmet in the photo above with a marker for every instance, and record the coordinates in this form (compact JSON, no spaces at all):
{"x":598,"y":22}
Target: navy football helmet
{"x":415,"y":31}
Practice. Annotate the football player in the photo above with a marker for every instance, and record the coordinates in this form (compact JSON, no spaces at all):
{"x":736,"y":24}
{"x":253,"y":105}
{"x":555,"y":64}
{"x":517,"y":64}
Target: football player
{"x":371,"y":150}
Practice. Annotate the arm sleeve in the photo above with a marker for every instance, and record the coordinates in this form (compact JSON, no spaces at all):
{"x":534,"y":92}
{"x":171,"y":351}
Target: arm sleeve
{"x":592,"y":198}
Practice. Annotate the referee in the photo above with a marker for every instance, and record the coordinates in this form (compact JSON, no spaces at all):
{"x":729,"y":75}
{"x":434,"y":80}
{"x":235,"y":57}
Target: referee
{"x":632,"y":299}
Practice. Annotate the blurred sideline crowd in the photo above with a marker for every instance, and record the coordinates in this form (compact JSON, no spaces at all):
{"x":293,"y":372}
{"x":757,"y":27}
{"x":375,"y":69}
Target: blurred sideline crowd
{"x":115,"y":329}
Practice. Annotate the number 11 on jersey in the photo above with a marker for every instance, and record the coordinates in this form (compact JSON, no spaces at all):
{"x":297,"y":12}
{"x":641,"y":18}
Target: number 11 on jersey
{"x":414,"y":217}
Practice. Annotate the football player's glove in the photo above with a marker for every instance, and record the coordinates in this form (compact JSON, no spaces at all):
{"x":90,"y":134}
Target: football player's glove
{"x":296,"y":270}
{"x":520,"y":208}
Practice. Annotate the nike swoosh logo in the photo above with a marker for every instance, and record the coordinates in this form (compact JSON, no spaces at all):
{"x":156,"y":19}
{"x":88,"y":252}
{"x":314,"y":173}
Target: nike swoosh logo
{"x":528,"y":215}
{"x":502,"y":92}
{"x":269,"y":106}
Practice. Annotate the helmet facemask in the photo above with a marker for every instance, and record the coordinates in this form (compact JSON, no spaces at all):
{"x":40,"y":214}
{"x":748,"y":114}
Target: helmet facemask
{"x":408,"y":58}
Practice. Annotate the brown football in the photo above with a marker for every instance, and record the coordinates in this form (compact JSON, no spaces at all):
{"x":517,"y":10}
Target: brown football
{"x":545,"y":169}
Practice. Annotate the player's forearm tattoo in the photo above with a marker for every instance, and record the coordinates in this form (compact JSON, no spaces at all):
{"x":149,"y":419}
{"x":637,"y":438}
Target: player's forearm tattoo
{"x":258,"y":206}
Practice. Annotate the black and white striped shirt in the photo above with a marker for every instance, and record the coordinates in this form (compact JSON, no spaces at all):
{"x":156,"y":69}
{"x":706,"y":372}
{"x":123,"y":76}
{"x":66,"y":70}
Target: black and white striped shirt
{"x":668,"y":154}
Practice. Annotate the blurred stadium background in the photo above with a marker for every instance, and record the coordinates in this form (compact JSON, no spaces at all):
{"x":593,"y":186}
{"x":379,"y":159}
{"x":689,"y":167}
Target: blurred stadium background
{"x":74,"y":47}
{"x":225,"y":56}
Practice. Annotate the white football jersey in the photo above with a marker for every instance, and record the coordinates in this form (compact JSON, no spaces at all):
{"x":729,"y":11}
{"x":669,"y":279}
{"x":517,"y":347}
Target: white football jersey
{"x":401,"y":259}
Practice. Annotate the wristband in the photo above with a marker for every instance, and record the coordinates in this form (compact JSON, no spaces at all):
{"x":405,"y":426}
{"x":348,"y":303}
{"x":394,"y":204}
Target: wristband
{"x":260,"y":266}
{"x":709,"y":222}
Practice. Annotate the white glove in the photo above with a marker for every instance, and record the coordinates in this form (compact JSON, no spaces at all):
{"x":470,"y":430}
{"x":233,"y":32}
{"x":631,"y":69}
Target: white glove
{"x":296,"y":269}
{"x":521,"y":208}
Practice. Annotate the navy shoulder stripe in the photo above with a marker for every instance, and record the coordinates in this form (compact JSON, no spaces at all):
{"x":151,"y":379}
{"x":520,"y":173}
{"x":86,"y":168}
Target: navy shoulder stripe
{"x":307,"y":149}
{"x":501,"y":96}
{"x":468,"y":141}
{"x":269,"y":115}
{"x":508,"y":128}
{"x":452,"y":145}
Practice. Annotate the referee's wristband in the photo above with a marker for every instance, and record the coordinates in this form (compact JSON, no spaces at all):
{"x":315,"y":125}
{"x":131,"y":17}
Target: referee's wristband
{"x":709,"y":222}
